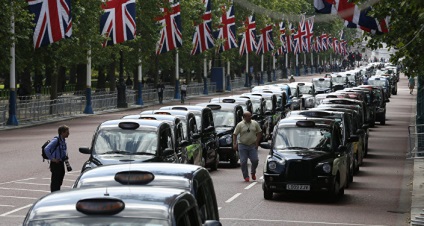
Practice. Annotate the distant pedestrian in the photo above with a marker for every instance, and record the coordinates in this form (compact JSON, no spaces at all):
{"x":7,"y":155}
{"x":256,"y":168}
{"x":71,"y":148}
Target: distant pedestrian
{"x":250,"y":134}
{"x":183,"y":92}
{"x":292,"y":79}
{"x":56,"y":152}
{"x":160,"y":88}
{"x":129,"y":82}
{"x":411,"y":84}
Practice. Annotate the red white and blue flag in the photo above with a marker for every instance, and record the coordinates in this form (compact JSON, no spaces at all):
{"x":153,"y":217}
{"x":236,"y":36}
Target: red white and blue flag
{"x":283,"y":47}
{"x":117,"y":23}
{"x":170,"y":34}
{"x":52,"y":19}
{"x":227,"y":30}
{"x":248,"y":42}
{"x":309,"y":32}
{"x":265,"y":43}
{"x":298,"y":37}
{"x":203,"y":38}
{"x":324,"y":42}
{"x":289,"y":38}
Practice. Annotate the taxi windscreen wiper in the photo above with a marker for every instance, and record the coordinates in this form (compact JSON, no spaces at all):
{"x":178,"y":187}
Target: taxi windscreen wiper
{"x":296,"y":148}
{"x":116,"y":152}
{"x":143,"y":153}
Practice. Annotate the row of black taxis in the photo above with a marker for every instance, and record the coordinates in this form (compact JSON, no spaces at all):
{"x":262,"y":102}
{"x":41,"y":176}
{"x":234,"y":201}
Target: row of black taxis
{"x":320,"y":149}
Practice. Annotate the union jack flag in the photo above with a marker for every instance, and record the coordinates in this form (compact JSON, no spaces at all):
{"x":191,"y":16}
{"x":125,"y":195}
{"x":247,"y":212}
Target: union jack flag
{"x":283,"y":47}
{"x":336,"y":45}
{"x":202,"y":38}
{"x":298,"y":37}
{"x":118,"y":21}
{"x":289,"y":38}
{"x":309,"y":32}
{"x":324,"y":42}
{"x":52,"y":20}
{"x":318,"y":43}
{"x":248,"y":42}
{"x":170,"y":35}
{"x":227,"y":30}
{"x":265,"y":43}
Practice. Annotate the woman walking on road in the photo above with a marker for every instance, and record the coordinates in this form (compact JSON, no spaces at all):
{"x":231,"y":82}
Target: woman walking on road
{"x":411,"y":84}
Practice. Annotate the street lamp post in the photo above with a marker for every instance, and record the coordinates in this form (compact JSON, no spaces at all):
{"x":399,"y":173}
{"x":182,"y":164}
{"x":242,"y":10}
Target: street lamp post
{"x":121,"y":87}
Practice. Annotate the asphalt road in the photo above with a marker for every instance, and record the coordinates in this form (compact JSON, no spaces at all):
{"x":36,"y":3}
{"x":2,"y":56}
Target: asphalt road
{"x":379,"y":195}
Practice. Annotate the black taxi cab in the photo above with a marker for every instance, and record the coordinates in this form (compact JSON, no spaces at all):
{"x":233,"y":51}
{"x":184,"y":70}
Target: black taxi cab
{"x":184,"y":146}
{"x":194,"y":179}
{"x":322,"y":85}
{"x":121,"y":205}
{"x":130,"y":141}
{"x":226,"y":116}
{"x":195,"y":150}
{"x":306,"y":155}
{"x":246,"y":104}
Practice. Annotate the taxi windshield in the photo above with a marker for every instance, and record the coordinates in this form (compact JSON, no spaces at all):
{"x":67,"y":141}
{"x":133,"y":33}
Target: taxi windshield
{"x":306,"y":89}
{"x":256,"y":105}
{"x":339,"y":80}
{"x":322,"y":84}
{"x":303,"y":137}
{"x":223,"y":118}
{"x":377,"y":82}
{"x":94,"y":221}
{"x":118,"y":141}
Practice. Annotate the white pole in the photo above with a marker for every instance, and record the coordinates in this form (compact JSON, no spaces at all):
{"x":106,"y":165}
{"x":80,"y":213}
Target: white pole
{"x":273,"y":62}
{"x":312,"y":61}
{"x":228,"y":68}
{"x":177,"y":66}
{"x":262,"y":63}
{"x":140,"y":71}
{"x":12,"y":74}
{"x":205,"y":68}
{"x":247,"y":63}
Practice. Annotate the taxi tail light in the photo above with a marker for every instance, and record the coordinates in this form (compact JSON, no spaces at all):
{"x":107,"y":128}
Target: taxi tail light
{"x":100,"y":206}
{"x":134,"y":177}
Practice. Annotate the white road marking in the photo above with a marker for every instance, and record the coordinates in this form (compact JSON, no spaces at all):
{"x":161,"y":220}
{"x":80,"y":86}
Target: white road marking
{"x":261,"y":178}
{"x":18,"y":197}
{"x":15,"y":210}
{"x":232,"y":198}
{"x":19,"y":182}
{"x":21,"y":189}
{"x":251,"y":185}
{"x":219,"y":208}
{"x":301,"y":222}
{"x":17,"y":216}
{"x":69,"y":180}
{"x":7,"y":205}
{"x":14,"y":181}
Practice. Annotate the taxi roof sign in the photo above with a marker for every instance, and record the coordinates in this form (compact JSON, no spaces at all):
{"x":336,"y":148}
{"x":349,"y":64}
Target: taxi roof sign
{"x":134,"y":177}
{"x":100,"y":206}
{"x":305,"y":123}
{"x":128,"y":125}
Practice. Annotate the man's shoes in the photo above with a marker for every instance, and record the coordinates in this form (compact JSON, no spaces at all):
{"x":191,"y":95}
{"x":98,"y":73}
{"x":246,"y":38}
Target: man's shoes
{"x":253,"y":176}
{"x":247,"y":179}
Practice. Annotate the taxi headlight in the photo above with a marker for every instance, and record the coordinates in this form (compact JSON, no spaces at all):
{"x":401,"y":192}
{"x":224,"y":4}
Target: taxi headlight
{"x":229,"y":139}
{"x":326,"y":168}
{"x":272,"y":165}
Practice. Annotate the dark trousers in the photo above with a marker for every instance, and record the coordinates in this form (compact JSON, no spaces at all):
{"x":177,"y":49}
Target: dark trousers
{"x":160,"y":95}
{"x":58,"y":173}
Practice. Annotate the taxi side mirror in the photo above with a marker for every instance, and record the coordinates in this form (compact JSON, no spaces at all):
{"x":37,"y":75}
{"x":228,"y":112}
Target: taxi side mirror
{"x":342,"y":149}
{"x":212,"y":223}
{"x":168,"y":151}
{"x":85,"y":150}
{"x":195,"y":136}
{"x":209,"y":129}
{"x":353,"y":138}
{"x":184,"y":143}
{"x":265,"y":145}
{"x":268,"y":113}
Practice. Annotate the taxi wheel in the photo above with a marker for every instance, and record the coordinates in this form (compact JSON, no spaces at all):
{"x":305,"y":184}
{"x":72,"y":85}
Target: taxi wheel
{"x":383,"y":120}
{"x":335,"y":192}
{"x":215,"y":163}
{"x":268,"y":194}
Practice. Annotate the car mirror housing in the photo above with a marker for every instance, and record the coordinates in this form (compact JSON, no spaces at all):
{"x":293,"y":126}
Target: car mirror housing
{"x":265,"y":145}
{"x":342,"y":149}
{"x":353,"y":138}
{"x":168,"y":151}
{"x":85,"y":150}
{"x":184,"y":143}
{"x":195,"y":136}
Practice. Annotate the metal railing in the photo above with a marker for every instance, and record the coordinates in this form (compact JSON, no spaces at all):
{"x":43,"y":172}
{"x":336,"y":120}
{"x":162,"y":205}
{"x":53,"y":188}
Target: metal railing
{"x":416,"y":141}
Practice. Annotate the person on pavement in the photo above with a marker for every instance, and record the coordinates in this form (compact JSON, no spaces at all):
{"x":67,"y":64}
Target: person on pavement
{"x":160,"y":89}
{"x":56,"y":152}
{"x":292,"y":79}
{"x":411,"y":84}
{"x":250,"y":135}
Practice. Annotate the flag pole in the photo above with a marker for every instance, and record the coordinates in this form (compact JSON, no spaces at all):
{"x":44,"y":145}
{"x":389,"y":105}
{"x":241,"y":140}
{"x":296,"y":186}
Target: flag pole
{"x":297,"y":65}
{"x":177,"y":76}
{"x":88,"y":109}
{"x":304,"y":63}
{"x":287,"y":64}
{"x":12,"y":121}
{"x":262,"y":68}
{"x":228,"y":76}
{"x":246,"y":84}
{"x":274,"y":78}
{"x":205,"y":77}
{"x":140,"y":80}
{"x":312,"y":62}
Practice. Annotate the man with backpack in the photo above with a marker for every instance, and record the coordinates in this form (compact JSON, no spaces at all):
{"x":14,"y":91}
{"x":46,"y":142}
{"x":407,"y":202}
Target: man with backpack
{"x":56,"y":153}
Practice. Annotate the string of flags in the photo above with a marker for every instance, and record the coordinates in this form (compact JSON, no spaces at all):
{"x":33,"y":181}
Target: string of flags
{"x":118,"y":24}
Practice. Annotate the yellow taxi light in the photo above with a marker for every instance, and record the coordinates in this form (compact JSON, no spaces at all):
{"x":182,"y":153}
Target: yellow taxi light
{"x":100,"y":206}
{"x":134,"y":177}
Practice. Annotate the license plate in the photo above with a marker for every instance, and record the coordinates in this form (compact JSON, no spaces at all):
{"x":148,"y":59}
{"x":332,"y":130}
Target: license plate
{"x":298,"y":187}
